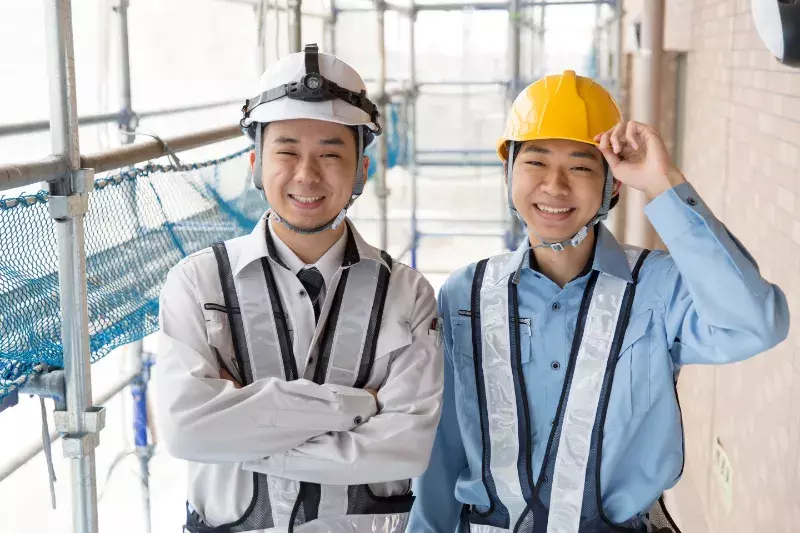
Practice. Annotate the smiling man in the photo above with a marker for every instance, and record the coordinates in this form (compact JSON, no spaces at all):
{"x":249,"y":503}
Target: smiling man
{"x":299,"y":371}
{"x":560,"y":411}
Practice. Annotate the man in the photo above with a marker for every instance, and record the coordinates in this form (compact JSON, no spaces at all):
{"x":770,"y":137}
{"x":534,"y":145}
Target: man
{"x":560,"y":409}
{"x":299,"y":368}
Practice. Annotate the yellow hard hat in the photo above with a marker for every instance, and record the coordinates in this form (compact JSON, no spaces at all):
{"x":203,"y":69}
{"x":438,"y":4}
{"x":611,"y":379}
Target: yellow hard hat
{"x":562,"y":106}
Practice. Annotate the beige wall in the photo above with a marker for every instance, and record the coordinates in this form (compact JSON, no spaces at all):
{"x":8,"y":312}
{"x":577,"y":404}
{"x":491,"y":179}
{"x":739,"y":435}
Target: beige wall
{"x":741,"y":150}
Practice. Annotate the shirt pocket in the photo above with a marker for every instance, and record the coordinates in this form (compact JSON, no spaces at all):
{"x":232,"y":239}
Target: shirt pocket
{"x":630,"y":392}
{"x":466,"y":389}
{"x":220,"y":339}
{"x":394,"y":335}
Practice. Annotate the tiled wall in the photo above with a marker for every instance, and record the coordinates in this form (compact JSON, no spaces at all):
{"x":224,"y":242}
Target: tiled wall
{"x":740,"y":148}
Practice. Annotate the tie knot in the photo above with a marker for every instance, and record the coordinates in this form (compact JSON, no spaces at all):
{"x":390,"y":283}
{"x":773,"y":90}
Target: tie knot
{"x":312,"y":280}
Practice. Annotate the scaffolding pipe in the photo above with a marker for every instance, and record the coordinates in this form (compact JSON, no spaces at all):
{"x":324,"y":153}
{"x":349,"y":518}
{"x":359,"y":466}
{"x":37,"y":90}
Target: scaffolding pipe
{"x":126,"y":114}
{"x":24,"y":174}
{"x":617,"y":217}
{"x":92,"y":120}
{"x":295,"y":25}
{"x":136,"y":153}
{"x":647,"y":105}
{"x":412,"y":129}
{"x":81,"y":439}
{"x":54,"y":167}
{"x":380,"y":183}
{"x":331,"y":27}
{"x":35,"y":447}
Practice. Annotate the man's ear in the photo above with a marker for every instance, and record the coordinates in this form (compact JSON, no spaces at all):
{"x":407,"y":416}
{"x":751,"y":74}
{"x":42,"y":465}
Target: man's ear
{"x":365,"y":163}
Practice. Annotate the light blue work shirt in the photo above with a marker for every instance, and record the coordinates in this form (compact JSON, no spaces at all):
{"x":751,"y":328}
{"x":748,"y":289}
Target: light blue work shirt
{"x":703,"y":302}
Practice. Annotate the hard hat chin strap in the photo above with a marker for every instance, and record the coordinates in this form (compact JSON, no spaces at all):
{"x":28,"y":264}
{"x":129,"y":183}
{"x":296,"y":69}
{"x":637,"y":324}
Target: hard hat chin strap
{"x":577,"y":238}
{"x":333,"y":224}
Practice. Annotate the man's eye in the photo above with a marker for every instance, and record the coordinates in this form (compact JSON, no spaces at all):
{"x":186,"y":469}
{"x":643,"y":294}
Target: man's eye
{"x":536,"y":163}
{"x":335,"y":156}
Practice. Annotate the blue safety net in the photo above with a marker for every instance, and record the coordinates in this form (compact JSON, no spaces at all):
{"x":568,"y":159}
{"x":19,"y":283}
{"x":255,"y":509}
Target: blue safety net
{"x":141,"y":222}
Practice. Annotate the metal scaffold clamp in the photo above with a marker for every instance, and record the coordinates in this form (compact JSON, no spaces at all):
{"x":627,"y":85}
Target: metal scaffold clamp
{"x":81,"y":183}
{"x":80,"y":436}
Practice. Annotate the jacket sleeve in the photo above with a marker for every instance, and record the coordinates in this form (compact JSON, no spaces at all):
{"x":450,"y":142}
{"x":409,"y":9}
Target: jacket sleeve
{"x":204,"y":418}
{"x":717,"y":306}
{"x":436,"y":509}
{"x":394,"y":444}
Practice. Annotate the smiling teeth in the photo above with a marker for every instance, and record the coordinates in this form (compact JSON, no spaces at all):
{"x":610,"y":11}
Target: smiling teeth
{"x":554,"y":210}
{"x":307,"y":199}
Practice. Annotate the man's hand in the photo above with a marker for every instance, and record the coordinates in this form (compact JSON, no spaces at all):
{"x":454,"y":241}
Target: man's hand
{"x":638,"y":157}
{"x":224,"y":374}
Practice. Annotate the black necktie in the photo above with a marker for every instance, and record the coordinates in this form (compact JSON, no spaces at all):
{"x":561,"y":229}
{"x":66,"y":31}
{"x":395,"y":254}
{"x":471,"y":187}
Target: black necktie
{"x":313,"y":282}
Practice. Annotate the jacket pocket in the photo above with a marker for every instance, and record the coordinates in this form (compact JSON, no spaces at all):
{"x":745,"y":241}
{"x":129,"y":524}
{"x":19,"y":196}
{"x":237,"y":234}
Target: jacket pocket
{"x":630,"y":392}
{"x":465,"y":364}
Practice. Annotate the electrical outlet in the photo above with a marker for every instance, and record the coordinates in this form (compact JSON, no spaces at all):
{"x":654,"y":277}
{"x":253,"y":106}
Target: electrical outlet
{"x":723,"y":471}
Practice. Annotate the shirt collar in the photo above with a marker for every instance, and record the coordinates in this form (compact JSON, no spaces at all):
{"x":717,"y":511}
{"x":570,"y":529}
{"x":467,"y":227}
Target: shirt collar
{"x":327,"y":265}
{"x":607,"y":257}
{"x":262,"y":242}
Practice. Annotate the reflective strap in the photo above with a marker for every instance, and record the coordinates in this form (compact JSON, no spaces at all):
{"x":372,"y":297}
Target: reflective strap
{"x":333,"y":502}
{"x":234,"y":319}
{"x":264,"y":347}
{"x":574,"y":445}
{"x":479,"y":528}
{"x":348,"y":338}
{"x":383,"y":523}
{"x":282,"y":496}
{"x":498,"y":379}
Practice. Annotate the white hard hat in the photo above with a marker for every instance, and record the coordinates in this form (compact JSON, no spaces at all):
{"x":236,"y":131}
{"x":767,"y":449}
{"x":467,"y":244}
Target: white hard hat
{"x":312,"y":85}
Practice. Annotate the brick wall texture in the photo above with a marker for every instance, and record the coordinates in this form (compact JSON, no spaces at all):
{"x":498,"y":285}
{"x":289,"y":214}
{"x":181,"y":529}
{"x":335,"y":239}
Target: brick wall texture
{"x":740,"y":147}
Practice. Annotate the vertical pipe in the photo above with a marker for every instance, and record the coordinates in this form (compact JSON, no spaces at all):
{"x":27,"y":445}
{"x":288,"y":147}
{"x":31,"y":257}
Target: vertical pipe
{"x":516,"y":229}
{"x":261,"y":15}
{"x":412,"y":128}
{"x":331,"y":25}
{"x":127,"y":121}
{"x":542,"y":61}
{"x":380,"y":189}
{"x":647,"y":106}
{"x":125,"y":66}
{"x":140,"y":425}
{"x":295,"y":25}
{"x":514,"y":16}
{"x":71,"y":261}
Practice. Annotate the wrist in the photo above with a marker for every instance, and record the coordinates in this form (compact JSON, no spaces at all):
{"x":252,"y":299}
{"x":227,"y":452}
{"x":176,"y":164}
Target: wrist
{"x":669,"y":179}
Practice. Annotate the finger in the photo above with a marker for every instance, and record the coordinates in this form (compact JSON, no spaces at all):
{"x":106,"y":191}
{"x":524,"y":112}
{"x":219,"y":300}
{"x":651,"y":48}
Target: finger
{"x":617,"y":137}
{"x":604,"y":140}
{"x":632,"y":134}
{"x":612,"y":158}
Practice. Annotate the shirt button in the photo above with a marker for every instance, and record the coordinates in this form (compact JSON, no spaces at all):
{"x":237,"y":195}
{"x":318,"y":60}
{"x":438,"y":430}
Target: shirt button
{"x":311,"y":360}
{"x":556,"y":306}
{"x":358,"y":420}
{"x":555,"y":365}
{"x":302,"y":292}
{"x":691,"y":201}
